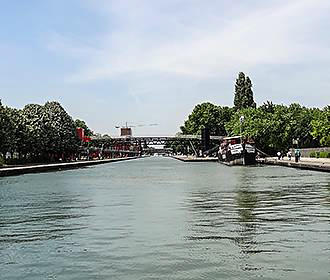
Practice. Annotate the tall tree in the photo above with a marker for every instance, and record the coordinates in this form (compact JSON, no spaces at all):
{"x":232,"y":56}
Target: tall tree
{"x":248,"y":94}
{"x":239,"y":91}
{"x":243,"y":97}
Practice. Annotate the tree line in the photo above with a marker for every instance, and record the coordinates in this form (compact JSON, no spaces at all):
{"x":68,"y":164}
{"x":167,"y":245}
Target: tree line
{"x":38,"y":133}
{"x":272,"y":126}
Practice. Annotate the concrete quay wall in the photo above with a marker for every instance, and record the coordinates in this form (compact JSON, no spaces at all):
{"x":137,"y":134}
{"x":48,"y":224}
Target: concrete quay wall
{"x":305,"y":152}
{"x":195,"y":159}
{"x":11,"y":171}
{"x":305,"y":163}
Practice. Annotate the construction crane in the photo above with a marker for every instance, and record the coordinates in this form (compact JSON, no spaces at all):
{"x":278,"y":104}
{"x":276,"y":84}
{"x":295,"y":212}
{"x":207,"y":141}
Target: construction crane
{"x":126,"y":130}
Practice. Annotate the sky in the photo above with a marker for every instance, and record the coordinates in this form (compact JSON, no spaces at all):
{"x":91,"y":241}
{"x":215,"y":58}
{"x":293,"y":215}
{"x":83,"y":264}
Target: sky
{"x":146,"y":62}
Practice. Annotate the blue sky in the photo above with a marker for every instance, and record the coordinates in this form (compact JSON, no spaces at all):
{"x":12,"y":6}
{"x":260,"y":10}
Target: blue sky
{"x":145,"y":62}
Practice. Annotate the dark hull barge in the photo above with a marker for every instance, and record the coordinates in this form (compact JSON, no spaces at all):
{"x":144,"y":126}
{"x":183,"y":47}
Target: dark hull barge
{"x":237,"y":151}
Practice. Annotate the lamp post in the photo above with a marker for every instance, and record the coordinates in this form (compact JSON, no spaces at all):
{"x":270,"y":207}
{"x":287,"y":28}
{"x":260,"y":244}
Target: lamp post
{"x":241,"y":120}
{"x":295,"y":142}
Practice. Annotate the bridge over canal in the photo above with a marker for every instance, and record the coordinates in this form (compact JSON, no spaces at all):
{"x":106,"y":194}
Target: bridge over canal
{"x":143,"y":143}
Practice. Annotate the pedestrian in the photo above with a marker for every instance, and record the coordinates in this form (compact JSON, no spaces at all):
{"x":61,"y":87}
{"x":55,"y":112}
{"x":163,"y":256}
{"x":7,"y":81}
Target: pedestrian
{"x":289,"y":155}
{"x":296,"y":155}
{"x":279,"y":155}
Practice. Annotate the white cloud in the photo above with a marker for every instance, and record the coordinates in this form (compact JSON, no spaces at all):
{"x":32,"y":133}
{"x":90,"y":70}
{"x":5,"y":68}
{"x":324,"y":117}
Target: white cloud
{"x":208,"y":46}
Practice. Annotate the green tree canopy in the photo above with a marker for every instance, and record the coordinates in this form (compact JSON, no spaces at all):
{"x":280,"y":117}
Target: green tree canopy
{"x":243,"y":97}
{"x":37,"y":132}
{"x":273,"y":127}
{"x":207,"y":115}
{"x":82,"y":124}
{"x":321,"y":126}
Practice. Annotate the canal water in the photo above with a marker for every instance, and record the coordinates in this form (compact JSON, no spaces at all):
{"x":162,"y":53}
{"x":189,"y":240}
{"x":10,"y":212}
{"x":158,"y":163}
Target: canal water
{"x":158,"y":218}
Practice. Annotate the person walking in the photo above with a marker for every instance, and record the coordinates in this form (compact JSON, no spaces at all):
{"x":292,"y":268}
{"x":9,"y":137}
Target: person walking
{"x":279,"y":155}
{"x":297,"y":155}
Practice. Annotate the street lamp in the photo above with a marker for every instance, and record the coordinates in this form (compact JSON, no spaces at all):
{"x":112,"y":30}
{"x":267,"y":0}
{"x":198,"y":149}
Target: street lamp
{"x":241,"y":120}
{"x":295,"y":142}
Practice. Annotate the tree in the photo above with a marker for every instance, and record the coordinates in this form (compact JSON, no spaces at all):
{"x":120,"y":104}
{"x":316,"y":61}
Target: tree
{"x":248,"y":94}
{"x":35,"y":122}
{"x":61,"y":130}
{"x":4,"y":130}
{"x":51,"y":132}
{"x":82,"y":124}
{"x":321,"y":126}
{"x":243,"y":97}
{"x":207,"y":115}
{"x":18,"y":132}
{"x":268,"y":107}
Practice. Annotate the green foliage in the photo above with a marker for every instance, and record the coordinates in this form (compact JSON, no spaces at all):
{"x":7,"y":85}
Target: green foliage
{"x":37,"y":133}
{"x":319,"y":154}
{"x":320,"y":126}
{"x":312,"y":154}
{"x":324,"y":155}
{"x":273,"y":127}
{"x":82,"y":124}
{"x":243,"y":93}
{"x":207,"y":115}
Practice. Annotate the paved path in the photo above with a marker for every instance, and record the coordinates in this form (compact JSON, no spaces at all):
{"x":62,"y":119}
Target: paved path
{"x":18,"y":170}
{"x":318,"y":164}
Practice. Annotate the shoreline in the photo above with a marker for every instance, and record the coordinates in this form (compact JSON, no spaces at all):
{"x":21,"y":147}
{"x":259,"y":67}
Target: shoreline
{"x":315,"y":164}
{"x":195,"y":159}
{"x":38,"y":168}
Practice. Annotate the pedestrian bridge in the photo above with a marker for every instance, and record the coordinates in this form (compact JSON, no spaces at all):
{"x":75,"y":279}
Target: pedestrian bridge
{"x":155,"y":140}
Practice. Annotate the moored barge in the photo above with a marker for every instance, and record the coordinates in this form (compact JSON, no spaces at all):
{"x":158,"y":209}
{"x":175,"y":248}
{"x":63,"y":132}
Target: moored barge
{"x":237,"y":150}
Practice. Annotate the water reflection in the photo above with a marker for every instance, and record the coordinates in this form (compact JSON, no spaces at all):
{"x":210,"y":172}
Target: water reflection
{"x":28,"y":218}
{"x":144,"y":220}
{"x":246,"y":203}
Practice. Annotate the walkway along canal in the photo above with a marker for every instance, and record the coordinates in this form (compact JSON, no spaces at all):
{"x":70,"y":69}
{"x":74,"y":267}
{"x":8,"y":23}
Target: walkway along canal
{"x":18,"y":170}
{"x":316,"y":164}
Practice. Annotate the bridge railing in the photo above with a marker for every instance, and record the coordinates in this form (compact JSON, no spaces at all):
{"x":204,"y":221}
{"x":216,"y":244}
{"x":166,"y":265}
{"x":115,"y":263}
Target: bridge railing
{"x":177,"y":137}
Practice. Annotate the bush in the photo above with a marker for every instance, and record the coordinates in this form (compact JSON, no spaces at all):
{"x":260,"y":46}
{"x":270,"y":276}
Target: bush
{"x":324,"y":155}
{"x":312,"y":154}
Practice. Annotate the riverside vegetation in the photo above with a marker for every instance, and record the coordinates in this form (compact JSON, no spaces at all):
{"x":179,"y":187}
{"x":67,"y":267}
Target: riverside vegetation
{"x":272,"y":126}
{"x":44,"y":133}
{"x":38,"y":133}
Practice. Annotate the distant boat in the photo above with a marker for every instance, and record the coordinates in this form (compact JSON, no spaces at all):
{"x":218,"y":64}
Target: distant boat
{"x":237,"y":150}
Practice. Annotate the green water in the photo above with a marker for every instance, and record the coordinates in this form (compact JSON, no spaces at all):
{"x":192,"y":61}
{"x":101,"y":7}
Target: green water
{"x":158,"y":218}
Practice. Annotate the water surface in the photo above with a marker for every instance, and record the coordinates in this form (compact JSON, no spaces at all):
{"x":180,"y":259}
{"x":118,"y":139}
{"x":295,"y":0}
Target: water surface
{"x":158,"y":218}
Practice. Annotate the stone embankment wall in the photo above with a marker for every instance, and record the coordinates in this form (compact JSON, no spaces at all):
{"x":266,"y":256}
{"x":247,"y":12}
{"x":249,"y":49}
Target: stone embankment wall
{"x":306,"y":152}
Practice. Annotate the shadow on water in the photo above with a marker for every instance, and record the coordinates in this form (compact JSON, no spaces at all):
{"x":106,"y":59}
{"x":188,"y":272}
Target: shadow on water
{"x":260,"y":211}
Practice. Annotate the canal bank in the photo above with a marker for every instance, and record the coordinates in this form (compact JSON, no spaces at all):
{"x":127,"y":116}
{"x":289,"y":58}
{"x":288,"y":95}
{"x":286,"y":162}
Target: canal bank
{"x":195,"y":159}
{"x":18,"y":170}
{"x":316,"y":164}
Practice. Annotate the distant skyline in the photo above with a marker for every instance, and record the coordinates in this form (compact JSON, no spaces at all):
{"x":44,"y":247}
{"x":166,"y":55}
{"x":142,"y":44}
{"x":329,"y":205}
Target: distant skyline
{"x":145,"y":62}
